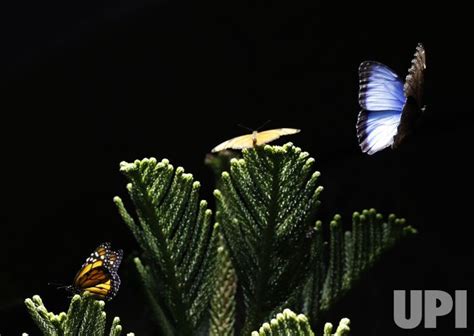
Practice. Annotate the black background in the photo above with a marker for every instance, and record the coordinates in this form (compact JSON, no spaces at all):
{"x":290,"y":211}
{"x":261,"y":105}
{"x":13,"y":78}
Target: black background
{"x":88,"y":84}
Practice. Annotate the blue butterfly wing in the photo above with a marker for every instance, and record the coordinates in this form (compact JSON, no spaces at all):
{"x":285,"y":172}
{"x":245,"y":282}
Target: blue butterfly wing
{"x":382,"y":100}
{"x":376,"y":129}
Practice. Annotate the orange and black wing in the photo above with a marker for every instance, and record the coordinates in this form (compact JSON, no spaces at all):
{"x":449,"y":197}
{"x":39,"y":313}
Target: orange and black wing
{"x":98,"y":275}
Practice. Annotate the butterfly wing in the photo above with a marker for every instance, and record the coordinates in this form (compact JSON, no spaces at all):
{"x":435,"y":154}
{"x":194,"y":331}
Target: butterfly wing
{"x":240,"y":142}
{"x":380,"y":88}
{"x":376,"y":129}
{"x":113,"y":262}
{"x":414,"y":81}
{"x":98,"y":275}
{"x":413,"y":89}
{"x":89,"y":274}
{"x":246,"y":141}
{"x":271,"y":135}
{"x":381,"y":98}
{"x":113,"y":258}
{"x":102,"y":287}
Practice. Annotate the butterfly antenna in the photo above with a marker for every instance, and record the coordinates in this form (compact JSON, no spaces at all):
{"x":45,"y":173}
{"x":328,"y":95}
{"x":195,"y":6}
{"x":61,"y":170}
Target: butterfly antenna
{"x":58,"y":285}
{"x":245,"y":127}
{"x":264,"y":124}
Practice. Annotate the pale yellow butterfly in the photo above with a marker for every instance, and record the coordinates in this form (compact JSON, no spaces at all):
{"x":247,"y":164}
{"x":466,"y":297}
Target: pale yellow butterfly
{"x":254,"y":139}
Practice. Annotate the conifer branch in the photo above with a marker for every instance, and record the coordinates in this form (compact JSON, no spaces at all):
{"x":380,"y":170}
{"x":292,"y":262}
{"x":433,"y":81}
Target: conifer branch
{"x":288,"y":323}
{"x":85,"y":316}
{"x":351,"y":254}
{"x":223,"y":301}
{"x":266,"y":206}
{"x":174,"y":230}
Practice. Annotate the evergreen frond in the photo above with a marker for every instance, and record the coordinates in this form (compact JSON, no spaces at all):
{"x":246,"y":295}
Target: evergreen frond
{"x":310,"y":298}
{"x":288,"y":323}
{"x":267,"y":203}
{"x":223,"y":301}
{"x":85,"y":316}
{"x":341,"y":330}
{"x":351,"y":254}
{"x":174,"y":230}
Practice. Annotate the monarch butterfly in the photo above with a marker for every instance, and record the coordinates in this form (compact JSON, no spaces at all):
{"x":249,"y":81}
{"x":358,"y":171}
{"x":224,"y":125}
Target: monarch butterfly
{"x":389,"y":106}
{"x":254,"y":139}
{"x":98,"y":275}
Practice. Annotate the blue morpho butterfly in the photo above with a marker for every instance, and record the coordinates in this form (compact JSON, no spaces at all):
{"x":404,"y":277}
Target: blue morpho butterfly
{"x":389,"y":106}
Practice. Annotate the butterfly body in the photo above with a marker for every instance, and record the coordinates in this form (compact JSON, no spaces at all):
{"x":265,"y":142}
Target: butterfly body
{"x":390,"y":107}
{"x":254,"y":139}
{"x":98,"y":275}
